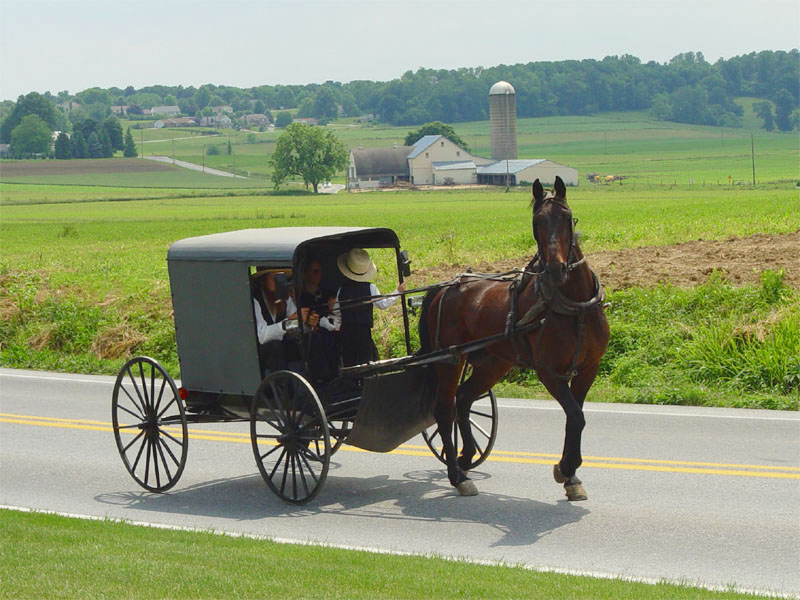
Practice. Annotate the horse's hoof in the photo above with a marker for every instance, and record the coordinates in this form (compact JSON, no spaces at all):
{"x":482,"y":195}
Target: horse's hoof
{"x":575,"y":492}
{"x":558,"y":476}
{"x":467,"y":488}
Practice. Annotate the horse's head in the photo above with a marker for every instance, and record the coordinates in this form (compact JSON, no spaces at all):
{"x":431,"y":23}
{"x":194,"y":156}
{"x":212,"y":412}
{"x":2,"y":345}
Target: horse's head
{"x":553,"y":230}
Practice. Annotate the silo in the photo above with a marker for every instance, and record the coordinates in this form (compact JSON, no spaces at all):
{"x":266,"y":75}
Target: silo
{"x":503,"y":120}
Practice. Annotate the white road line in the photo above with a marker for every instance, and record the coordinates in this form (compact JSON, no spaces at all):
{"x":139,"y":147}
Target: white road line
{"x":647,"y":410}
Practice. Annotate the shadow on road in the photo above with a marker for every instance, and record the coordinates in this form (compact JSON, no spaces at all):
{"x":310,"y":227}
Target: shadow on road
{"x":419,"y":496}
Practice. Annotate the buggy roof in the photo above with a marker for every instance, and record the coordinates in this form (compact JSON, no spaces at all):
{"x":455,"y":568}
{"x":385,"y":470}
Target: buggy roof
{"x":277,"y":245}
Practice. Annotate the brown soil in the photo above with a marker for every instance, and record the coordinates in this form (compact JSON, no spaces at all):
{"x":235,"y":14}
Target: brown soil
{"x":68,"y":167}
{"x":741,"y":260}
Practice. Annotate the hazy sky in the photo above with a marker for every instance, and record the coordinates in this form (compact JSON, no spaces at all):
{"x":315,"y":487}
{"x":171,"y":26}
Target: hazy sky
{"x":75,"y":44}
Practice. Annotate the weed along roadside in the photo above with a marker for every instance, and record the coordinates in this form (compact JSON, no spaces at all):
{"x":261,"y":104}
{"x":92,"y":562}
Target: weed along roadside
{"x":95,"y":291}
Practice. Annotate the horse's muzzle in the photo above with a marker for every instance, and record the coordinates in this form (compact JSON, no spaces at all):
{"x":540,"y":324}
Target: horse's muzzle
{"x":557,"y":272}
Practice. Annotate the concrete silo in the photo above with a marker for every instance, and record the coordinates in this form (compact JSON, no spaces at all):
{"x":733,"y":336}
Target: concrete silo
{"x":503,"y":120}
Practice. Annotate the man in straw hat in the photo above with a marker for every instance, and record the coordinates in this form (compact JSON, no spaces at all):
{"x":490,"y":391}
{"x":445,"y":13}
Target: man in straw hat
{"x":356,"y":317}
{"x":275,"y":350}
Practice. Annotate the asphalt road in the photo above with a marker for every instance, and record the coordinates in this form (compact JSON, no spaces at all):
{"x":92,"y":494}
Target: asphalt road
{"x":705,"y":496}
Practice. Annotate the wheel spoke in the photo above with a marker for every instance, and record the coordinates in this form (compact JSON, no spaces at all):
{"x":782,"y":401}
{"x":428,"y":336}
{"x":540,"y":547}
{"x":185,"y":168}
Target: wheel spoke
{"x":481,"y":429}
{"x":294,"y":476}
{"x":310,"y":469}
{"x":142,"y":402}
{"x":136,"y":403}
{"x":139,"y":454}
{"x":147,"y":462}
{"x":164,"y":459}
{"x":480,"y":414}
{"x":166,"y":446}
{"x":170,"y":403}
{"x":285,"y":471}
{"x":174,"y":439}
{"x":278,"y":462}
{"x":131,"y":413}
{"x":154,"y":444}
{"x":303,"y":476}
{"x":268,"y":452}
{"x":140,"y":434}
{"x":144,"y":385}
{"x":477,"y":447}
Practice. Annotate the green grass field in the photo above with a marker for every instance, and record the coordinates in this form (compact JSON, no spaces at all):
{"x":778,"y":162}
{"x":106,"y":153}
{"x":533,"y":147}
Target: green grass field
{"x":47,"y":556}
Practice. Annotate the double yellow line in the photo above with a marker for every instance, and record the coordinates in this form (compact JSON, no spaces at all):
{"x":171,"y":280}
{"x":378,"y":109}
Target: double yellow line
{"x":597,"y":462}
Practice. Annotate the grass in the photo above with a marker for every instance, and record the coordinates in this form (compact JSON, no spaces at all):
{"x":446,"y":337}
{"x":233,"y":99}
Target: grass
{"x":48,"y":556}
{"x":85,"y":285}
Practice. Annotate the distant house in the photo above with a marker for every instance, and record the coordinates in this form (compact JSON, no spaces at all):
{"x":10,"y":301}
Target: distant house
{"x":306,"y":120}
{"x":119,"y":110}
{"x":169,"y":111}
{"x":5,"y":150}
{"x":223,"y":108}
{"x":255,"y":119}
{"x":68,"y":106}
{"x":216,"y":121}
{"x":175,"y":122}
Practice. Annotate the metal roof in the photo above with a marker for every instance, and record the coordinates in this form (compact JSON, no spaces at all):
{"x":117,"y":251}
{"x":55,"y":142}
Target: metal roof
{"x":454,"y":165}
{"x":274,"y":246}
{"x":514,"y":166}
{"x":423,"y":144}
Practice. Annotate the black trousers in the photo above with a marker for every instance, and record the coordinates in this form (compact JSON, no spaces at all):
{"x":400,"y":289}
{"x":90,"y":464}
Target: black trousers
{"x":357,"y":345}
{"x":279,"y":355}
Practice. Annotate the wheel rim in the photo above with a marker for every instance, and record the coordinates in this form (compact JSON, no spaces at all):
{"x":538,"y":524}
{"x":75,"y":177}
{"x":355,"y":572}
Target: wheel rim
{"x":290,"y":437}
{"x":149,"y":424}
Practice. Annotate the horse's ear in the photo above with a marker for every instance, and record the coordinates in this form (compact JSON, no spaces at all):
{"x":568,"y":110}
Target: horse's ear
{"x":560,"y":188}
{"x":538,"y":194}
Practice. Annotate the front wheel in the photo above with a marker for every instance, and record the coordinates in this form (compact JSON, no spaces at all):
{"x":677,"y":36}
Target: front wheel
{"x":289,"y":433}
{"x":146,"y":405}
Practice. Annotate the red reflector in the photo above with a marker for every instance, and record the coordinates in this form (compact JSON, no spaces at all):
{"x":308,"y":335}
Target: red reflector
{"x":183,"y":393}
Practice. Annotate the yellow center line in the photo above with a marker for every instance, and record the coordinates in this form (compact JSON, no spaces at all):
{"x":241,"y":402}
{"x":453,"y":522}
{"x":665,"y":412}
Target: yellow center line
{"x":506,"y":456}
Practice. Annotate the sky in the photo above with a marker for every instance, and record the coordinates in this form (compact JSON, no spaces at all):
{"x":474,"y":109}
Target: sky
{"x":55,"y":45}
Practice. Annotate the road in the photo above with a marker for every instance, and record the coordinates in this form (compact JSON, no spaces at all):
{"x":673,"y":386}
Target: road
{"x":698,"y":495}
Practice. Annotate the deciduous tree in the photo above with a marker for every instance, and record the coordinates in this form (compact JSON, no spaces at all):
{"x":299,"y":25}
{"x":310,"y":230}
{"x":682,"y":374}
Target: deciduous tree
{"x":31,"y":136}
{"x":63,"y":146}
{"x":307,"y":152}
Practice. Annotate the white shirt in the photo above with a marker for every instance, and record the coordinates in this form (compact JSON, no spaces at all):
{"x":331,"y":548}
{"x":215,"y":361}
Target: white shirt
{"x":267,"y":333}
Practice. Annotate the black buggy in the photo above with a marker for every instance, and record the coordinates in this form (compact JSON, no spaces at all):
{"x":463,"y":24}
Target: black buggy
{"x":295,"y":426}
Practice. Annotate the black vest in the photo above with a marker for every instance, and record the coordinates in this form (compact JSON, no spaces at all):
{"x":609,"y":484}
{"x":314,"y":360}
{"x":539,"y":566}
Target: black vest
{"x":280,"y":316}
{"x":359,"y":314}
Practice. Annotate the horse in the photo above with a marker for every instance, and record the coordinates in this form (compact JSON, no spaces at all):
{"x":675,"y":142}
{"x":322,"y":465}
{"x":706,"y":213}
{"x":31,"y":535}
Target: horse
{"x":562,"y":336}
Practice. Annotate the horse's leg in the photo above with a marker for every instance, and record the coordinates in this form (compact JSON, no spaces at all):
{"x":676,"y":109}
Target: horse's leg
{"x":564,"y":471}
{"x":486,"y":371}
{"x":444,"y":414}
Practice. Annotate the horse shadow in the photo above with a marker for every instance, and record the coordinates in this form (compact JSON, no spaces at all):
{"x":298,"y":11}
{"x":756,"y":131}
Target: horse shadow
{"x":419,"y":496}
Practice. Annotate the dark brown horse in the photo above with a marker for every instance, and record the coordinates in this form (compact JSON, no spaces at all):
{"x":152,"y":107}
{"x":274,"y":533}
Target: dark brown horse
{"x":553,"y":320}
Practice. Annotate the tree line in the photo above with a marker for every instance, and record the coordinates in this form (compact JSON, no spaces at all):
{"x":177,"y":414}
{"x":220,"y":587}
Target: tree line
{"x":686,"y":89}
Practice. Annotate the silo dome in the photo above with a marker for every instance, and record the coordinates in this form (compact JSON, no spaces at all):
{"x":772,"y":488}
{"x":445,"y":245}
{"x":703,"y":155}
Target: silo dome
{"x":501,"y":87}
{"x":503,"y":120}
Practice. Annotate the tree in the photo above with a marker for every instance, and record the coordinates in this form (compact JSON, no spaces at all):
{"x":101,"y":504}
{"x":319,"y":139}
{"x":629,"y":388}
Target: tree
{"x":764,"y":112}
{"x":30,"y":104}
{"x":436,"y":128}
{"x":79,"y":147}
{"x":259,"y":107}
{"x":63,"y":146}
{"x":784,"y":105}
{"x":31,"y":136}
{"x":283,"y":119}
{"x":129,"y":151}
{"x":308,"y":152}
{"x":95,"y":146}
{"x":113,"y":129}
{"x":326,"y":103}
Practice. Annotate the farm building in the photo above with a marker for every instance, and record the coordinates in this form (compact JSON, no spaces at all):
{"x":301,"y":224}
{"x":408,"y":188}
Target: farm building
{"x":435,"y":160}
{"x":516,"y":171}
{"x":169,"y":111}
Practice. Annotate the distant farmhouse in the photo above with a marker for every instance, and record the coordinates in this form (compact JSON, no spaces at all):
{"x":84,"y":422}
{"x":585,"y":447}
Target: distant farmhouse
{"x":167,"y":111}
{"x":436,"y":160}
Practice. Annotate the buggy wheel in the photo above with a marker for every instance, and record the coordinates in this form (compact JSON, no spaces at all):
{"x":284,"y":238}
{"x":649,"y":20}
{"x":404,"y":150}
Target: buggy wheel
{"x":149,"y":424}
{"x":289,"y":432}
{"x":483,"y":424}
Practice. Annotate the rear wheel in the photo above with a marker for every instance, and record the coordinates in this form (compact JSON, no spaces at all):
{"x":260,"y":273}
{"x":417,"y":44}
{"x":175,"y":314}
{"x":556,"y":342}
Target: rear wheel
{"x":289,"y":433}
{"x":483,"y":424}
{"x":149,"y":424}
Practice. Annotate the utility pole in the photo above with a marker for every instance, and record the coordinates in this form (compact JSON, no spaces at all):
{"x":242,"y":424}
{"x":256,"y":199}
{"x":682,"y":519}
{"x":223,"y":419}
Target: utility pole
{"x":173,"y":151}
{"x":204,"y":158}
{"x":753,"y":158}
{"x":141,"y":140}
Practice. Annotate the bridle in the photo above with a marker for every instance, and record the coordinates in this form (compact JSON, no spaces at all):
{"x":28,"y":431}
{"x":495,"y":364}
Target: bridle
{"x":541,"y":257}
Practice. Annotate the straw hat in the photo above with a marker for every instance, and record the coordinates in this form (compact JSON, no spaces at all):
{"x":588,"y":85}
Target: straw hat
{"x":357,"y":265}
{"x":261,"y":271}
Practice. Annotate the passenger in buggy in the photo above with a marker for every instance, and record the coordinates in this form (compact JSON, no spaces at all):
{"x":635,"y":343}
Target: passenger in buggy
{"x":322,"y":339}
{"x":355,"y":309}
{"x":276,"y":350}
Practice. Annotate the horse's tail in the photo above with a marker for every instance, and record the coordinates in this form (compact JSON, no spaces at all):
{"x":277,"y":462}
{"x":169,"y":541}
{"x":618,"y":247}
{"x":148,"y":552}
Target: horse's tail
{"x":424,"y":327}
